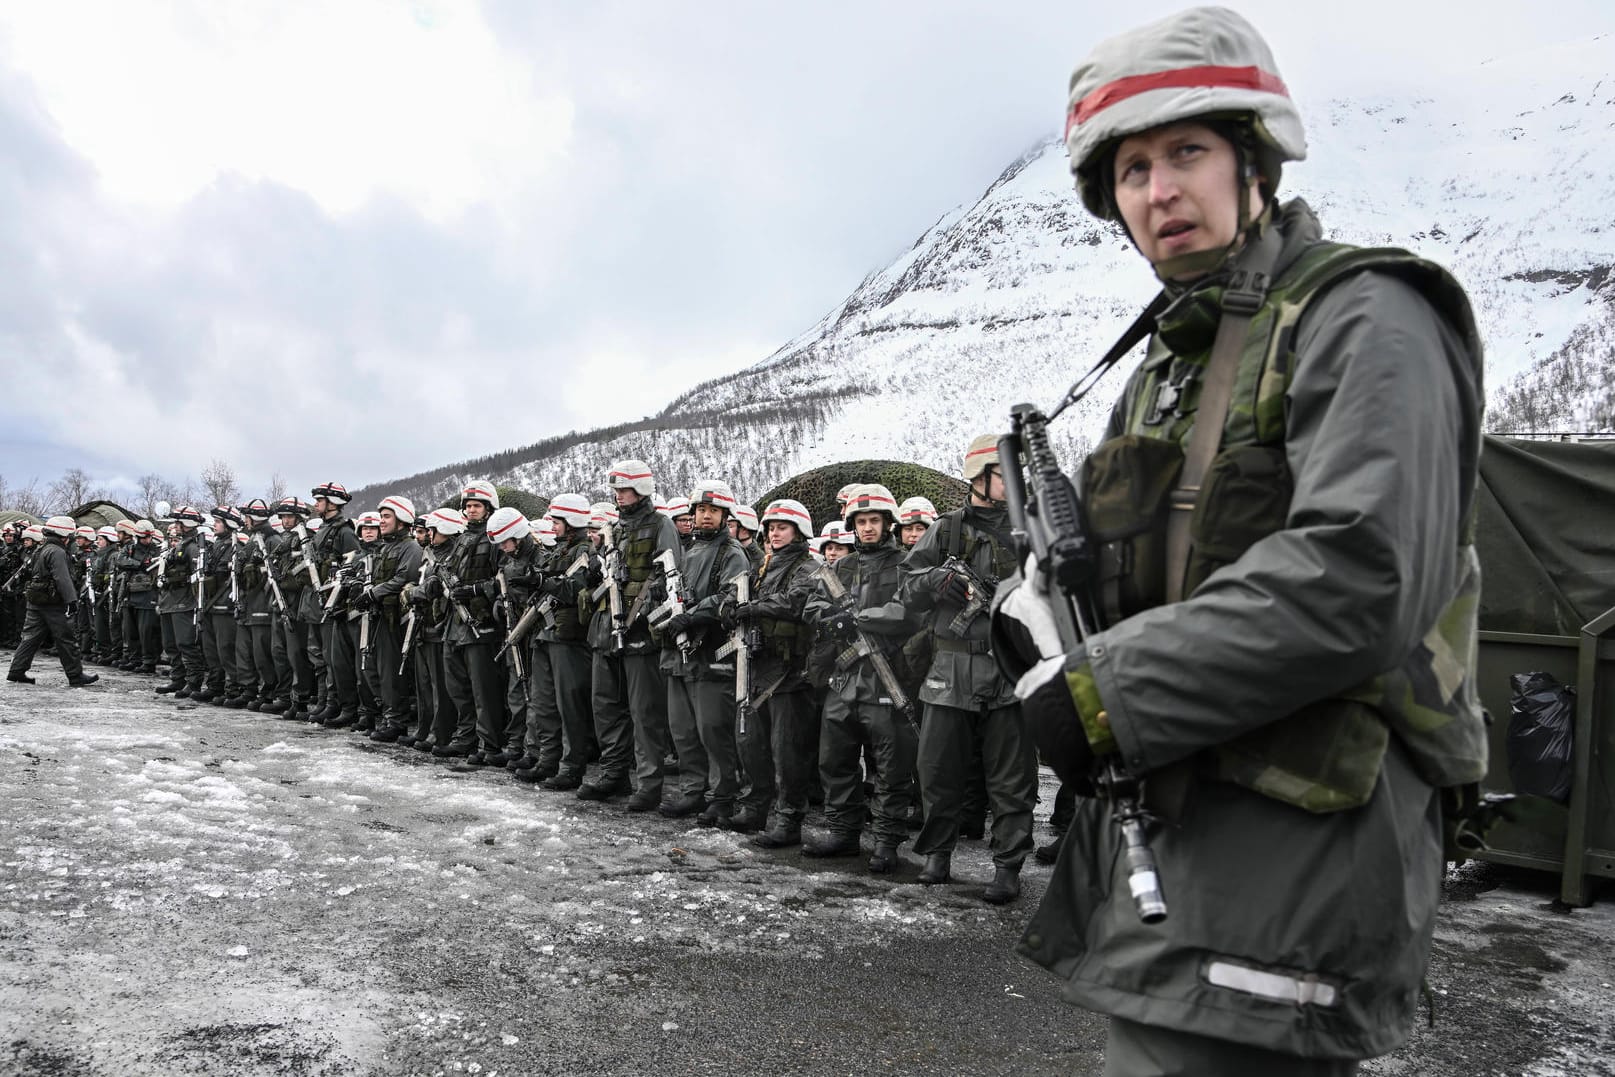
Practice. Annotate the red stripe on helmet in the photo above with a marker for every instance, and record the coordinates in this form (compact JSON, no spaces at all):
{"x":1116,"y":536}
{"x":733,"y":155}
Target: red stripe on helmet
{"x":1208,"y":76}
{"x":499,"y":534}
{"x":982,"y":452}
{"x":628,"y":475}
{"x":783,"y":510}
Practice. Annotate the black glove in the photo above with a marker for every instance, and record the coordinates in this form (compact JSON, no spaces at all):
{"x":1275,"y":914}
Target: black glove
{"x":840,"y":623}
{"x":72,"y":610}
{"x":464,"y":591}
{"x":1051,"y":719}
{"x":419,"y":597}
{"x":658,"y":591}
{"x":950,"y":586}
{"x":364,"y":600}
{"x":728,"y":609}
{"x":676,"y":624}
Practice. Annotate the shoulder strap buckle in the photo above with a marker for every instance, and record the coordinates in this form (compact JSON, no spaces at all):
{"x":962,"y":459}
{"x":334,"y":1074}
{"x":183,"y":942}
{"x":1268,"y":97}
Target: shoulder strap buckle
{"x":1245,"y":292}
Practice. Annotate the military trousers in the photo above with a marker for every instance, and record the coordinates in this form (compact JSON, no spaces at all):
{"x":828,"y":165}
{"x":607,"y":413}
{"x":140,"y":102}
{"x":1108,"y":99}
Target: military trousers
{"x":255,"y":660}
{"x":434,"y":711}
{"x":947,"y":749}
{"x":846,"y":730}
{"x":684,"y":732}
{"x":292,"y":633}
{"x":142,"y":638}
{"x":219,"y":652}
{"x":341,"y":650}
{"x":779,"y":752}
{"x":179,"y":629}
{"x":396,"y":684}
{"x":1135,"y":1050}
{"x":48,"y":624}
{"x":103,"y":627}
{"x":477,"y":692}
{"x":571,"y":669}
{"x":541,"y":731}
{"x":630,"y":718}
{"x":715,"y":719}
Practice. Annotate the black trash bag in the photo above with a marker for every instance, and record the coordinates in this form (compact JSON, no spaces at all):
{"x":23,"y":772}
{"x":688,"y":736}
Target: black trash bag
{"x":1543,"y":713}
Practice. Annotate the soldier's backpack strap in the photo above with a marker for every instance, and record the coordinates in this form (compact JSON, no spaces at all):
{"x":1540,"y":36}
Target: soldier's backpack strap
{"x":1242,"y":297}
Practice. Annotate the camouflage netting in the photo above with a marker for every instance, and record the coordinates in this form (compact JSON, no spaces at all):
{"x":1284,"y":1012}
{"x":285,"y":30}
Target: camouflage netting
{"x":99,"y":514}
{"x":11,"y":515}
{"x":817,"y":488}
{"x":531,"y":505}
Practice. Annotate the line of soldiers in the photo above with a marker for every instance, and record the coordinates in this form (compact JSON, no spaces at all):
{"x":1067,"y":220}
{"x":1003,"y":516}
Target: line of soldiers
{"x":705,"y":661}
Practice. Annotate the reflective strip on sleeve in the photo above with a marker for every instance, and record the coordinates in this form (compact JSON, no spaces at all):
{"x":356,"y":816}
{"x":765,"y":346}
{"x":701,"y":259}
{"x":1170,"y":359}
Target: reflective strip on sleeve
{"x":1278,"y":986}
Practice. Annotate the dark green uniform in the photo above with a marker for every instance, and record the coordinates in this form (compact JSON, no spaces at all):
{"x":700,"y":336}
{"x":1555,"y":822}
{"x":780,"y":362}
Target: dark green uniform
{"x":474,"y":681}
{"x":49,"y":593}
{"x":397,"y":565}
{"x":176,"y":605}
{"x":142,"y":638}
{"x":561,"y":639}
{"x":329,"y":550}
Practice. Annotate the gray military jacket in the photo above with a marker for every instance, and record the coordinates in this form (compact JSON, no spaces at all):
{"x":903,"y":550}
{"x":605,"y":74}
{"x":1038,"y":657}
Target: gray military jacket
{"x":1296,"y":932}
{"x":963,"y":673}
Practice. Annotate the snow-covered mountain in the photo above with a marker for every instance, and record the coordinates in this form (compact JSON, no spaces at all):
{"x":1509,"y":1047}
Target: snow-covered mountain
{"x":1505,"y":174}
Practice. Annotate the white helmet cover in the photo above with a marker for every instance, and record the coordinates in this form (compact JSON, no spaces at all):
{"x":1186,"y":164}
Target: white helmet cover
{"x":446,"y":521}
{"x":571,"y":509}
{"x":916,"y":510}
{"x":480,"y":490}
{"x":746,"y":517}
{"x":632,"y":475}
{"x":60,"y":525}
{"x":507,"y":523}
{"x":1204,"y":61}
{"x":869,"y":497}
{"x":788,"y":511}
{"x":714,"y":492}
{"x":402,"y":507}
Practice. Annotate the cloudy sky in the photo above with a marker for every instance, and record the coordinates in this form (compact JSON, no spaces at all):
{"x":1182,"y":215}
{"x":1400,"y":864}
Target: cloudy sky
{"x":353,"y":240}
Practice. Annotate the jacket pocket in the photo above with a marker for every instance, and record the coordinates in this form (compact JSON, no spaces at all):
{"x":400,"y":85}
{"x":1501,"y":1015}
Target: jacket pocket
{"x":1126,"y":485}
{"x":1244,"y":498}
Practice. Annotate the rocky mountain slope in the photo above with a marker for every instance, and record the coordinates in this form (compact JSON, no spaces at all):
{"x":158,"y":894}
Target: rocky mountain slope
{"x":1504,"y":173}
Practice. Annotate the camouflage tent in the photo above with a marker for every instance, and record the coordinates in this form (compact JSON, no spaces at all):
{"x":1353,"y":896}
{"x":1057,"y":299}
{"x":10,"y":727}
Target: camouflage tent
{"x":99,"y":514}
{"x":817,"y":488}
{"x":11,"y":515}
{"x":1546,"y":534}
{"x":531,"y":505}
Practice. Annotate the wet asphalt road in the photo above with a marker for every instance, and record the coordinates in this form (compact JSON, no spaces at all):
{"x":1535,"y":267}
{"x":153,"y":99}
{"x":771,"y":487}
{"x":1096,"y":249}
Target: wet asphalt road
{"x":191,"y":890}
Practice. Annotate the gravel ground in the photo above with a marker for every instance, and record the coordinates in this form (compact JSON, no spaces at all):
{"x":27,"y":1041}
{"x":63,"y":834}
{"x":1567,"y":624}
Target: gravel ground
{"x":188,"y":890}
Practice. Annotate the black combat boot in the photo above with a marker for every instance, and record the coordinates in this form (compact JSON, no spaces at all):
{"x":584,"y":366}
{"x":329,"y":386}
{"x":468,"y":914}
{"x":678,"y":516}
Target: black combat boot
{"x":883,"y":861}
{"x":604,"y":790}
{"x":81,"y":681}
{"x":644,"y":801}
{"x":938,"y":869}
{"x":779,"y":836}
{"x":1050,"y":852}
{"x":451,"y":751}
{"x":206,"y":695}
{"x":237,"y":703}
{"x":275,"y":706}
{"x":19,"y":678}
{"x":539,"y":772}
{"x":748,"y":820}
{"x":563,"y":781}
{"x":1005,"y":887}
{"x":171,"y":686}
{"x":836,"y":843}
{"x":716,"y":814}
{"x":683,"y":805}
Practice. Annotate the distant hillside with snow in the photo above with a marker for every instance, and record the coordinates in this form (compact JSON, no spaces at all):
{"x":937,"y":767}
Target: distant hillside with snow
{"x":1506,"y":176}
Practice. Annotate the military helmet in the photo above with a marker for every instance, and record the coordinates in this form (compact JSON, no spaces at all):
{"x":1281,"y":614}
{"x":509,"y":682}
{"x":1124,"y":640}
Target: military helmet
{"x":84,"y":532}
{"x":844,"y":493}
{"x":60,"y":525}
{"x":543,"y":529}
{"x":981,"y":454}
{"x":869,"y":497}
{"x":602,"y":513}
{"x":507,"y":523}
{"x":836,"y":531}
{"x":402,"y":507}
{"x":334,"y":492}
{"x":276,"y":526}
{"x":446,"y":521}
{"x":632,"y":475}
{"x":146,"y":529}
{"x":109,"y":533}
{"x":916,"y":510}
{"x":1203,"y":63}
{"x":571,"y":509}
{"x":788,"y":511}
{"x":714,"y":492}
{"x":746,"y":517}
{"x":315,"y":523}
{"x":480,"y":490}
{"x":292,"y":506}
{"x":675,"y":508}
{"x":187,"y":517}
{"x":256,"y":509}
{"x":368,"y":519}
{"x":126,"y":527}
{"x":230,"y":515}
{"x":34,"y":533}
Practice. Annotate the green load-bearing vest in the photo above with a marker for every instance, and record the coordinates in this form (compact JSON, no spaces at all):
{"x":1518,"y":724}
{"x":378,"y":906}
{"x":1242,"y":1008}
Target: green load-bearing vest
{"x":1327,"y":756}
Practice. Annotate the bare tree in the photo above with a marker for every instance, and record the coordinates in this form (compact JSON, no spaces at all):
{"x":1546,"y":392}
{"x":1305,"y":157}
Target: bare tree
{"x":72,"y":490}
{"x":5,"y":493}
{"x":277,"y":488}
{"x":153,"y":488}
{"x":184,"y":492}
{"x":27,"y":498}
{"x":219,"y":479}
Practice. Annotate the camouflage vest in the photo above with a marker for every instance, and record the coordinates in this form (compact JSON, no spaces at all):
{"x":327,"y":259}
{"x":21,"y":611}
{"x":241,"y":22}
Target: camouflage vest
{"x":1326,"y":757}
{"x":789,"y":641}
{"x":392,"y":553}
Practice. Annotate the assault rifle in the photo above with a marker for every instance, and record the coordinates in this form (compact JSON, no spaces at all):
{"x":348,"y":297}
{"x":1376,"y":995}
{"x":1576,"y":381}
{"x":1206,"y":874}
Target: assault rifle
{"x":611,"y":586}
{"x":978,"y":595}
{"x":14,"y":583}
{"x":1049,"y":525}
{"x":410,"y":618}
{"x":864,"y":647}
{"x":339,"y":580}
{"x":543,"y":609}
{"x":303,"y":540}
{"x":450,"y":582}
{"x":675,"y":603}
{"x":367,"y":641}
{"x":518,"y":663}
{"x":269,"y":572}
{"x":742,"y":643}
{"x":235,"y":581}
